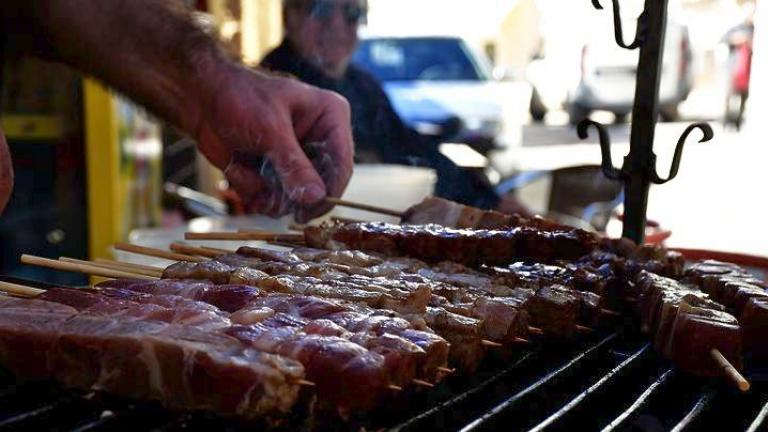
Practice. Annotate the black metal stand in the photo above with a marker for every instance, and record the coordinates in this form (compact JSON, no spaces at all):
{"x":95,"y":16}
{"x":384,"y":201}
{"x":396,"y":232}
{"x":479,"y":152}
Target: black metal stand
{"x":639,"y":169}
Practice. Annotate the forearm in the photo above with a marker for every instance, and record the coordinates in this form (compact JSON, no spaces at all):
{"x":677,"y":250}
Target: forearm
{"x":150,"y":49}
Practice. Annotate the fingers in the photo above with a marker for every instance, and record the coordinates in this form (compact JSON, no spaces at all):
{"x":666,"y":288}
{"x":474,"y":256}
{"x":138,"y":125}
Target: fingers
{"x":329,"y":147}
{"x":6,"y":173}
{"x":300,"y":181}
{"x":268,"y":119}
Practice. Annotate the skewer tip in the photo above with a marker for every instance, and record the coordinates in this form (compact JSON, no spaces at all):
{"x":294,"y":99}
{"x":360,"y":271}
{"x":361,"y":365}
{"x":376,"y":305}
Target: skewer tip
{"x":394,"y":387}
{"x":305,"y":383}
{"x":535,"y":331}
{"x":582,"y":329}
{"x":446,"y":370}
{"x":491,"y":344}
{"x":521,"y":341}
{"x":422,"y":383}
{"x":730,"y":370}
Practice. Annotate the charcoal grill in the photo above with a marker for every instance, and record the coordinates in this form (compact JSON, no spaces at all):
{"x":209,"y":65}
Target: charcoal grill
{"x":611,"y":380}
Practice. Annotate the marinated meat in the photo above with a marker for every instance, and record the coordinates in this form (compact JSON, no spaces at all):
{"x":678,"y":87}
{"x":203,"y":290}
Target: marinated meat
{"x":180,"y":366}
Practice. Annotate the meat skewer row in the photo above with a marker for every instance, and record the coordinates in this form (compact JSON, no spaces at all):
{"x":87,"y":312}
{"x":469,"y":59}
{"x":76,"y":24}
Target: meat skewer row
{"x":501,"y":319}
{"x":348,"y":377}
{"x":358,"y":289}
{"x":329,"y":317}
{"x":488,"y":304}
{"x":232,"y":299}
{"x":434,"y":210}
{"x":360,"y":317}
{"x":454,"y":327}
{"x":697,"y":312}
{"x":457,"y":299}
{"x":689,"y":328}
{"x":433,"y":243}
{"x":741,"y":293}
{"x":184,"y":367}
{"x":457,"y":329}
{"x":450,"y":280}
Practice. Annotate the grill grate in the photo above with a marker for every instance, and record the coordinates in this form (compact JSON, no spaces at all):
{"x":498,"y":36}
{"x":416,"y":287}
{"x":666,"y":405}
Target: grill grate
{"x":609,"y":382}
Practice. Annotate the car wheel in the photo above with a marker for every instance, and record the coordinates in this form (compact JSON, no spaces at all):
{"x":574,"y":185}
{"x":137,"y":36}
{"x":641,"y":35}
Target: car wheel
{"x":577,"y":113}
{"x":537,"y":109}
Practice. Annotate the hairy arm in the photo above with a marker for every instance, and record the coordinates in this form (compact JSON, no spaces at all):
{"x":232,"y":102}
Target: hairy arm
{"x":148,"y":49}
{"x":152,"y":51}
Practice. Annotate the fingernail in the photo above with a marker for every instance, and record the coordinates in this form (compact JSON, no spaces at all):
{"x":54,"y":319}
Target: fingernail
{"x":314,"y":193}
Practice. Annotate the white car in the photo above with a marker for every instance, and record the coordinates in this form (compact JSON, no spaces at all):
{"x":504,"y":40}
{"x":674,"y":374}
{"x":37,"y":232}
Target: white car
{"x":431,"y":80}
{"x":609,"y":73}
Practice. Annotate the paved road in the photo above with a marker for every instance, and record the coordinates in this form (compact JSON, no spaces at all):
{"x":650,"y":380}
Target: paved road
{"x":718,"y":201}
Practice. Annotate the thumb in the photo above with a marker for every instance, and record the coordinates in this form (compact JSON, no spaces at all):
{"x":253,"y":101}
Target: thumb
{"x":301,"y":182}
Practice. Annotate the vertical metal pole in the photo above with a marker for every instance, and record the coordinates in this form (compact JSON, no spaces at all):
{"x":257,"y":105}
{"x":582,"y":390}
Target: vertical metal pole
{"x":640,"y":162}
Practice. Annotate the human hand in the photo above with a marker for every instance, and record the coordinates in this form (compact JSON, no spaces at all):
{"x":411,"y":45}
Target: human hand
{"x":254,"y":131}
{"x":6,"y":173}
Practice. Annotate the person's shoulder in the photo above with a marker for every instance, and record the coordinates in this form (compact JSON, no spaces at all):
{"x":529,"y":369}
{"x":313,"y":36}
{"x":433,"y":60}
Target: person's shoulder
{"x":362,"y":78}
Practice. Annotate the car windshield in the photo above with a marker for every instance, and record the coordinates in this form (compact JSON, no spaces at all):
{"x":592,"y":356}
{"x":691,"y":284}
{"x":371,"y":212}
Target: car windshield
{"x":410,"y":59}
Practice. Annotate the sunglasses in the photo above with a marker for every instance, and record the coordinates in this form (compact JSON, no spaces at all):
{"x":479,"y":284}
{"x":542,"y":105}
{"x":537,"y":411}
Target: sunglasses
{"x":354,"y":12}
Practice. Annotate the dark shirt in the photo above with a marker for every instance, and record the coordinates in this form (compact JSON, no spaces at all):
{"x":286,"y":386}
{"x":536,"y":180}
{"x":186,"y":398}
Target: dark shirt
{"x":379,"y":133}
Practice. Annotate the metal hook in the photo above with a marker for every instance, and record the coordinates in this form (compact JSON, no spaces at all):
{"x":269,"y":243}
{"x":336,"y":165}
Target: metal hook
{"x":609,"y":170}
{"x":618,"y":31}
{"x":705,"y":128}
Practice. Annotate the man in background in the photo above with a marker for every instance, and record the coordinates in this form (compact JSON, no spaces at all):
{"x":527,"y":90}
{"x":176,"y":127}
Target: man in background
{"x":320,"y":39}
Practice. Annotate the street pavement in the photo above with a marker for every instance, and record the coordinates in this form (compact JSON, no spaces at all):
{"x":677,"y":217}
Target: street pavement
{"x":716,"y":202}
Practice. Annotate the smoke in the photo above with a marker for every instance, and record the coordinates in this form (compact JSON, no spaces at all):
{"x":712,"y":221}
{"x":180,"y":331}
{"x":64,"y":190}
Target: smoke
{"x":258,"y":184}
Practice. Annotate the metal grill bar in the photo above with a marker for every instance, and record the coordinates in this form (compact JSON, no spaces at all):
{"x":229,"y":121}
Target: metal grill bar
{"x":697,"y":409}
{"x":103,"y":420}
{"x":28,"y":415}
{"x":464,"y":396}
{"x":498,"y":409}
{"x":639,"y":401}
{"x":586,"y":393}
{"x":759,"y":420}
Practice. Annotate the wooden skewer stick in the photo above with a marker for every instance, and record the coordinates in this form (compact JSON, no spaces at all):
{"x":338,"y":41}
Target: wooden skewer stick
{"x":116,"y":266}
{"x":490,"y":344}
{"x":127,"y":265}
{"x":422,"y":383}
{"x":366,"y":207}
{"x":193,"y":250}
{"x":582,"y":329}
{"x":159,"y":253}
{"x":217,"y":250}
{"x":244,"y":236}
{"x":20,"y":290}
{"x":346,"y":220}
{"x":731,"y":371}
{"x":286,"y":244}
{"x":305,"y":383}
{"x":609,"y":312}
{"x":446,"y":370}
{"x":297,"y":227}
{"x":535,"y":331}
{"x":394,"y":387}
{"x":521,"y":341}
{"x":81,"y":268}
